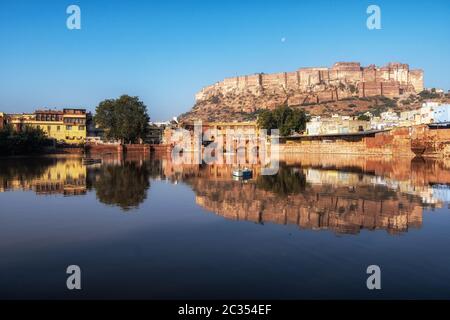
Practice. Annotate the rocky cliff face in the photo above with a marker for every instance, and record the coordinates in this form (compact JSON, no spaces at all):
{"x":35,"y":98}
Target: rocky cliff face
{"x":240,"y":98}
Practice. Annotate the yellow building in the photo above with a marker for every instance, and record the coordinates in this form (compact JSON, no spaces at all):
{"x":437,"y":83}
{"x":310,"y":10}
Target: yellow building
{"x":68,"y":125}
{"x":2,"y":120}
{"x":222,"y":128}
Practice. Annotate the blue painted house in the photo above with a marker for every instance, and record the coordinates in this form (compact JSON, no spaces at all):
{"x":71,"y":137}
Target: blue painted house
{"x":441,"y":113}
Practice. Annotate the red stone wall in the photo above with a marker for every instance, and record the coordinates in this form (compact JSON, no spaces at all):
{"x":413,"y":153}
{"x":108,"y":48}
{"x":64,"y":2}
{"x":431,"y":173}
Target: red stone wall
{"x":398,"y":141}
{"x":103,"y":148}
{"x":144,"y":148}
{"x":433,"y":142}
{"x":394,"y":142}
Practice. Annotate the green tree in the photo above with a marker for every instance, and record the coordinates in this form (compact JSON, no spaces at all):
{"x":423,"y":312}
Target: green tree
{"x":27,"y":141}
{"x":363,"y":117}
{"x":426,"y":94}
{"x":125,"y":119}
{"x":266,"y":120}
{"x":285,"y":119}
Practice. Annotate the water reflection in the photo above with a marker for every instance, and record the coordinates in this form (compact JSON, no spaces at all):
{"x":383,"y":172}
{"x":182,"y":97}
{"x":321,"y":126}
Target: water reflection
{"x":287,"y":181}
{"x":338,"y":193}
{"x":313,"y":199}
{"x":130,"y":181}
{"x":44,"y":175}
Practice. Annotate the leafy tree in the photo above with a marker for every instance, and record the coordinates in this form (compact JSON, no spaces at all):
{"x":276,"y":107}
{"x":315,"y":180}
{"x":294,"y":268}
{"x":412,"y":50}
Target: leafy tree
{"x":266,"y":120}
{"x":284,"y":119}
{"x":27,"y":141}
{"x":386,"y":102}
{"x":425,"y":94}
{"x":363,"y":117}
{"x":125,"y":119}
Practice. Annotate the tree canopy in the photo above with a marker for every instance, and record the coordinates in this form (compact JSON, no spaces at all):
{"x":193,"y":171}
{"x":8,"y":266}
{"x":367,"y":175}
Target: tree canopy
{"x":363,"y":117}
{"x":22,"y":142}
{"x":125,"y":119}
{"x":285,"y":119}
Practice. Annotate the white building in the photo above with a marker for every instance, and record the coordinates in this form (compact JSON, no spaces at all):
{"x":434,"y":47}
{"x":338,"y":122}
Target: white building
{"x":313,"y":126}
{"x":389,"y":116}
{"x":426,"y":112}
{"x":430,"y":112}
{"x":386,"y":120}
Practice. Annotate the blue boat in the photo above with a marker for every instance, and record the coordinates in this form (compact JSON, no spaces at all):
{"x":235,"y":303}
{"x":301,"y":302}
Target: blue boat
{"x":245,"y":173}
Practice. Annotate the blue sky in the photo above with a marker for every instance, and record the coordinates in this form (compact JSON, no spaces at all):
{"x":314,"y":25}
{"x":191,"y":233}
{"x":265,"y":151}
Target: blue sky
{"x":166,"y":51}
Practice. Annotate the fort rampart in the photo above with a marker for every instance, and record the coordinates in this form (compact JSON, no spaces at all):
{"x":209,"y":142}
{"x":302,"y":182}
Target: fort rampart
{"x":342,"y":80}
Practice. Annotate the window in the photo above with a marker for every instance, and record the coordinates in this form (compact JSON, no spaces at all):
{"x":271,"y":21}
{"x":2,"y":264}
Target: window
{"x":58,"y":128}
{"x":48,"y":128}
{"x":68,"y":127}
{"x":81,"y":128}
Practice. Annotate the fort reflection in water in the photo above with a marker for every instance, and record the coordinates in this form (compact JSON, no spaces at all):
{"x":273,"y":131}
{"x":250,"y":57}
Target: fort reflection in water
{"x":339,"y":193}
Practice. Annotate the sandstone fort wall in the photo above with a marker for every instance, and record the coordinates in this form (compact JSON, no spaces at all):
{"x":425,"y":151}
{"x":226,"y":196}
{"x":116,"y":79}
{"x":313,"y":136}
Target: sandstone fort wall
{"x":390,"y":80}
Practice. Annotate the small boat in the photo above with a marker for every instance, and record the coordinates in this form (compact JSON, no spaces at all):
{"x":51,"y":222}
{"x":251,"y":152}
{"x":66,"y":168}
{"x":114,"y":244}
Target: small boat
{"x":245,"y":173}
{"x":241,"y":179}
{"x":88,"y":161}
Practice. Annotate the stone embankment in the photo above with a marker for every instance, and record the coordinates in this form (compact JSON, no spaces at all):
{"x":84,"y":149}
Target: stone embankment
{"x":126,"y":148}
{"x":407,"y":141}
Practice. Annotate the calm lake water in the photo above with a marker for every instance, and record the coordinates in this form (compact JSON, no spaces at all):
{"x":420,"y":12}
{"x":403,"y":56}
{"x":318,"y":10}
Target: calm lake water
{"x":147,"y":228}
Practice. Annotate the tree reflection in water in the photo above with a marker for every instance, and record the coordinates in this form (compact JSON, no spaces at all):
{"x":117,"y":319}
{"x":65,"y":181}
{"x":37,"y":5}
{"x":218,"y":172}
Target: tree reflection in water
{"x":123,"y":185}
{"x":341,"y":194}
{"x":288,"y":180}
{"x":24,"y":168}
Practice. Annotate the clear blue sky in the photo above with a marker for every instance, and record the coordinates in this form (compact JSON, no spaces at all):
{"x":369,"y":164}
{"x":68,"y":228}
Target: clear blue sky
{"x":165,"y":51}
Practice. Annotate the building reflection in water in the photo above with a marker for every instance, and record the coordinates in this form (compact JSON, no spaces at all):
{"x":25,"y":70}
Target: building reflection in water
{"x":338,"y":193}
{"x":45,"y":176}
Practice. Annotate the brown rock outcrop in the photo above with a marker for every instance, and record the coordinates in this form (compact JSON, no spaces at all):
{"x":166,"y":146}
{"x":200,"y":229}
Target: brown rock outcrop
{"x":247,"y":94}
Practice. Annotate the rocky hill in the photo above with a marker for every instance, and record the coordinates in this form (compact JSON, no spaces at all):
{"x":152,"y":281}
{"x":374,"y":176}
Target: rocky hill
{"x":345,"y":88}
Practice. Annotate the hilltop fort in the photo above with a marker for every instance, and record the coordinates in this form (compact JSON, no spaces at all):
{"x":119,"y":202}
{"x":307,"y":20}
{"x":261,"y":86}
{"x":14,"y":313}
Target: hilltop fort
{"x":241,"y":97}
